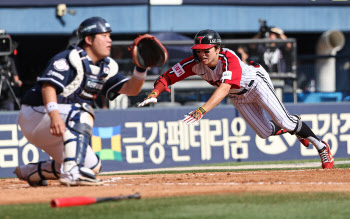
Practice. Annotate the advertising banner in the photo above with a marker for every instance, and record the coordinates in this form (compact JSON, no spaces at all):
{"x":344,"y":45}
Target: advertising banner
{"x":147,"y":138}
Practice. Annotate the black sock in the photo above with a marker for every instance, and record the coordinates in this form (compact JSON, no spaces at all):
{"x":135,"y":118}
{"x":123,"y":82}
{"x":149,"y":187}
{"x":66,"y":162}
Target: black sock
{"x":305,"y":132}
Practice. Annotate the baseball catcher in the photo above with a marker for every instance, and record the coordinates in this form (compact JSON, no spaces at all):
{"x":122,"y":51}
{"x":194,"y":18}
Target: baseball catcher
{"x":57,"y":115}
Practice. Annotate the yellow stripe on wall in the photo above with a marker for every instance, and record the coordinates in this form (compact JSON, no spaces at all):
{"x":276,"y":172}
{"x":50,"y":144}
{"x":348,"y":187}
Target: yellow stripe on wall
{"x":96,"y":143}
{"x":116,"y":145}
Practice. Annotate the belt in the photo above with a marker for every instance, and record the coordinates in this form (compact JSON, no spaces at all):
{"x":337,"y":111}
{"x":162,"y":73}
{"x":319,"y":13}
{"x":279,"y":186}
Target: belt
{"x":245,"y":89}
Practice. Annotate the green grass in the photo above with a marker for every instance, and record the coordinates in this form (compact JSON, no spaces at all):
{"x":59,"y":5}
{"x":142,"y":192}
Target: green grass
{"x":263,"y":205}
{"x":242,"y":205}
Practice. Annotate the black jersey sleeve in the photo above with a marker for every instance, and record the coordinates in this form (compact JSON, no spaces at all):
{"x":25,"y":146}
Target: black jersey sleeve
{"x":113,"y":85}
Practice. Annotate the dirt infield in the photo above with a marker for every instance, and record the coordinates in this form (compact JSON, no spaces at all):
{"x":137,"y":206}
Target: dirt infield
{"x":15,"y":191}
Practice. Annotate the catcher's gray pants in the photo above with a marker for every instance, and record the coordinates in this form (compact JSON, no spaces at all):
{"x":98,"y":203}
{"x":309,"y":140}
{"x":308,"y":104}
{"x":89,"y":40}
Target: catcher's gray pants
{"x":35,"y":126}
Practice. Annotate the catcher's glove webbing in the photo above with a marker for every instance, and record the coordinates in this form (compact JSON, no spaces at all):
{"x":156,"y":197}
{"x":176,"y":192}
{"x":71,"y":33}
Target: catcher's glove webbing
{"x":147,"y":51}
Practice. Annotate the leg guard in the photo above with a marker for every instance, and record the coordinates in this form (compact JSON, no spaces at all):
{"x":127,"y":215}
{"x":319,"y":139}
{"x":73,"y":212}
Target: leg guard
{"x":37,"y":174}
{"x":77,"y":138}
{"x":79,"y":131}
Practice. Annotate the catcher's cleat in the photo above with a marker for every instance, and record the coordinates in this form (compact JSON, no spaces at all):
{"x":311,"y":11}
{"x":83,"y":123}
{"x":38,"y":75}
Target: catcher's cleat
{"x":326,"y":157}
{"x":81,"y":181}
{"x":80,"y":177}
{"x":30,"y":182}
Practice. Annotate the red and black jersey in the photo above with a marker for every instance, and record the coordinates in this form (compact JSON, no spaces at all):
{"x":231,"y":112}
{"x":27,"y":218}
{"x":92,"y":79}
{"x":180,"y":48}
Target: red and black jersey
{"x":229,"y":69}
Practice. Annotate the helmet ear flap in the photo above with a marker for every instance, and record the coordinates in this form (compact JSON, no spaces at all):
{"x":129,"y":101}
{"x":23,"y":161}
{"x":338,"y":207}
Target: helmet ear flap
{"x":195,"y":55}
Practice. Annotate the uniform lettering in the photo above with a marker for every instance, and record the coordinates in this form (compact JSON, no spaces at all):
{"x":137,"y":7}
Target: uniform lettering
{"x":178,"y":70}
{"x":227,"y":75}
{"x":88,"y":28}
{"x":55,"y":74}
{"x":94,"y":85}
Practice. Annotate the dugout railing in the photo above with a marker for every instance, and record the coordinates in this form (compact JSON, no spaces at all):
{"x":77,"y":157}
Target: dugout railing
{"x":195,"y":88}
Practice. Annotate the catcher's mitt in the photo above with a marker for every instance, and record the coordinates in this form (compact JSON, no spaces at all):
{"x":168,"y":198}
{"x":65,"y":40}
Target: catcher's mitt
{"x":147,"y":51}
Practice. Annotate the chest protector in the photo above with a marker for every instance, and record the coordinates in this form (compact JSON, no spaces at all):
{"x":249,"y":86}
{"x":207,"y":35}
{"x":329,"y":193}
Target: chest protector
{"x":90,"y":78}
{"x":94,"y":77}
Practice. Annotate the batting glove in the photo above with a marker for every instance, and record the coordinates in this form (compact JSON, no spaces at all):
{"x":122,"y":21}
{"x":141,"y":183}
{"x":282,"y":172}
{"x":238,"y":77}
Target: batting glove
{"x":151,"y":98}
{"x":194,"y":116}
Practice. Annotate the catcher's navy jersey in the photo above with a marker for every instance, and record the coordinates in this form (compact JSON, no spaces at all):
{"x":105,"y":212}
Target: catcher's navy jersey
{"x":61,"y":73}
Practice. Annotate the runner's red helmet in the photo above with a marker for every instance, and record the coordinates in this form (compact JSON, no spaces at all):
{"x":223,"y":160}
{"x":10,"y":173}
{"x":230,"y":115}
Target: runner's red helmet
{"x":206,"y":39}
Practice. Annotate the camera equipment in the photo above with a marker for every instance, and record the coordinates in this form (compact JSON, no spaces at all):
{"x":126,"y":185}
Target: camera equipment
{"x":264,"y":29}
{"x":6,"y":49}
{"x":5,"y":44}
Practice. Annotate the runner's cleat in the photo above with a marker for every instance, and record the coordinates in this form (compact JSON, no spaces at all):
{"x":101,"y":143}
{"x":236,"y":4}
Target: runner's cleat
{"x":326,"y":157}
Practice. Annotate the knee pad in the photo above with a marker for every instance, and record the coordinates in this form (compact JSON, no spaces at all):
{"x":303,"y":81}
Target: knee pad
{"x":78,"y":134}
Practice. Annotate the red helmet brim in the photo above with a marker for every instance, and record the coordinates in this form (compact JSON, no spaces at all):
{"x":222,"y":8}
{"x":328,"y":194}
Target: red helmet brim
{"x":202,"y":46}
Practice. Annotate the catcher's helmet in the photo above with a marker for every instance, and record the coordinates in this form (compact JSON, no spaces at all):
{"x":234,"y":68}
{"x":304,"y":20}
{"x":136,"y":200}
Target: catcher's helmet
{"x":92,"y":26}
{"x":206,"y":39}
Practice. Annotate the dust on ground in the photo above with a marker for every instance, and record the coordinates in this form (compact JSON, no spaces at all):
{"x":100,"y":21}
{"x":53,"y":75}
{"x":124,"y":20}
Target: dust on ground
{"x":15,"y":191}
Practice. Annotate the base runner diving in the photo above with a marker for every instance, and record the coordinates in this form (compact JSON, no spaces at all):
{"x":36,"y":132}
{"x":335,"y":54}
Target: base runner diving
{"x":249,"y":88}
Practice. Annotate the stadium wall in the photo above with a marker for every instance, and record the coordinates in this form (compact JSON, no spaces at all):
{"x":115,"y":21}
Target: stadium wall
{"x":141,"y":18}
{"x":136,"y":139}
